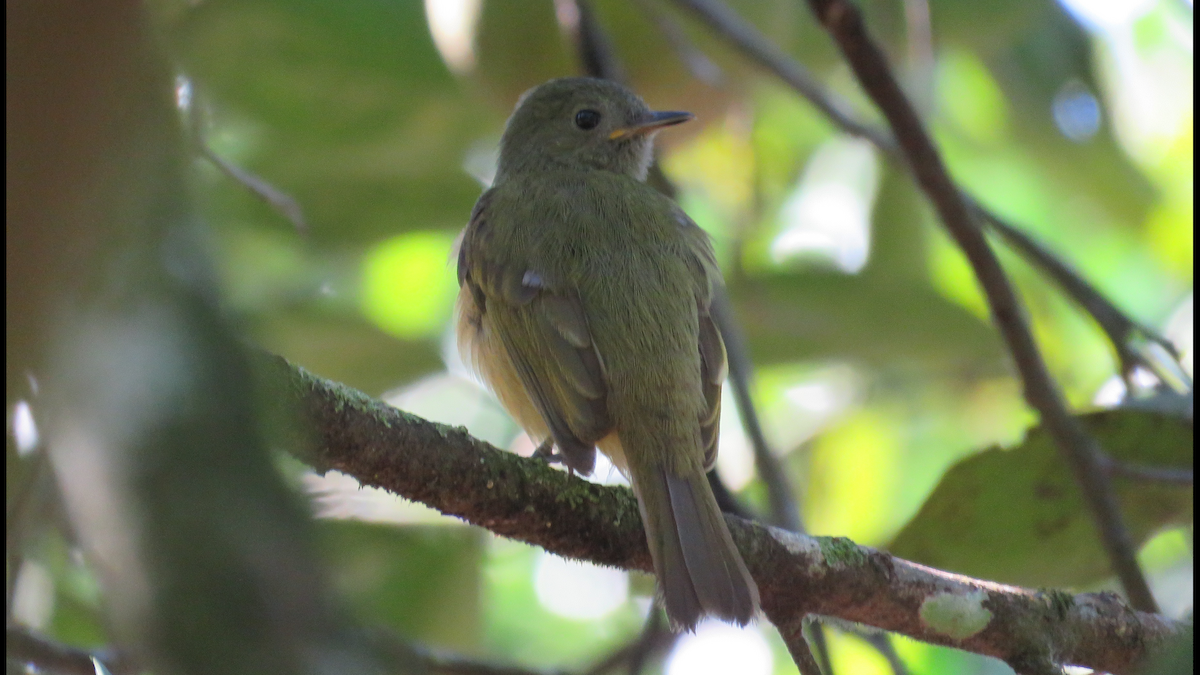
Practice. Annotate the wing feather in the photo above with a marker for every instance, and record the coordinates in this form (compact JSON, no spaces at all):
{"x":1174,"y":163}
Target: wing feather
{"x":544,"y":331}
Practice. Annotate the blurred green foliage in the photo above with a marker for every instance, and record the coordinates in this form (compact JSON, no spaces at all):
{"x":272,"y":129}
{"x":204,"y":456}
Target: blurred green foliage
{"x":1017,"y":517}
{"x":349,"y":106}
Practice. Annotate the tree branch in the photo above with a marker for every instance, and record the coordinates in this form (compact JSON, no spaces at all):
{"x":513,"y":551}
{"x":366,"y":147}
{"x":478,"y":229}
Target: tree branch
{"x":331,"y":426}
{"x":726,"y":23}
{"x":784,"y":509}
{"x":1152,"y":474}
{"x":844,"y":22}
{"x":25,"y":646}
{"x":278,"y":200}
{"x":1118,"y":326}
{"x":697,"y":62}
{"x":654,"y":639}
{"x":911,"y":143}
{"x":797,"y":645}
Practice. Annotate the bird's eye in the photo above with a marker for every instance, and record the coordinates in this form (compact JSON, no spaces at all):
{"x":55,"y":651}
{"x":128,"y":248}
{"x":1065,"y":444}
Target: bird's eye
{"x":587,"y":119}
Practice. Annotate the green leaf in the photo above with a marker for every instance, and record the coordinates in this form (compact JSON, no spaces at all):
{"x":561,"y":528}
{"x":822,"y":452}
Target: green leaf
{"x":1016,"y":515}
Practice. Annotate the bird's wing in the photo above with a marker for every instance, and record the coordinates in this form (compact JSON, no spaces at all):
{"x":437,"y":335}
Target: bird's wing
{"x":713,"y":365}
{"x":544,"y":330}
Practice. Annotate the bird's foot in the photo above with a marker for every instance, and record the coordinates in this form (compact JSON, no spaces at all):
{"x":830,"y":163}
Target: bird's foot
{"x":545,"y":452}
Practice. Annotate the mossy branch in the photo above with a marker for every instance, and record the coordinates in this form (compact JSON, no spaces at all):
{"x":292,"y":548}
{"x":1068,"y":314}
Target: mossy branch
{"x":331,"y":426}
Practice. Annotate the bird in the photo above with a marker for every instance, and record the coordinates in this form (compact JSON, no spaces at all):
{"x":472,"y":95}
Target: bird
{"x":585,"y":304}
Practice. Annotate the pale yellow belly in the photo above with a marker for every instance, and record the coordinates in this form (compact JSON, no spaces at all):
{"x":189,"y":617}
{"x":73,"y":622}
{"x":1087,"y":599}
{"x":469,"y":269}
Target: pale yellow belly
{"x":483,"y":352}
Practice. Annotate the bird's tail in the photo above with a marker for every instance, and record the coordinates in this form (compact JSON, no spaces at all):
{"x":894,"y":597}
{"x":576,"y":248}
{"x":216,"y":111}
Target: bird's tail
{"x":699,"y":569}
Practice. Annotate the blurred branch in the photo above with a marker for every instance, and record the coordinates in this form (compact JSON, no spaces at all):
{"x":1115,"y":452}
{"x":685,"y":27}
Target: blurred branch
{"x":1155,"y":474}
{"x":918,"y":38}
{"x":701,"y":67}
{"x":277,"y":199}
{"x":728,"y":24}
{"x":206,"y":559}
{"x":1118,"y":326}
{"x":844,"y":22}
{"x":654,"y":639}
{"x":816,"y":635}
{"x":29,"y":648}
{"x":280,"y":201}
{"x":785,"y":511}
{"x":883,"y":644}
{"x":595,"y":50}
{"x":797,"y":646}
{"x":600,"y":61}
{"x":330,"y":426}
{"x":458,"y":665}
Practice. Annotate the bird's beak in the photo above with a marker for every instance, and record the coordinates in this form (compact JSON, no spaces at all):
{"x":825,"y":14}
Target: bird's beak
{"x":652,"y":122}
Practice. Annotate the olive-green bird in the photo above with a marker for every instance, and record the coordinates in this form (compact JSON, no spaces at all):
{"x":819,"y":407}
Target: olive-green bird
{"x":585,"y":305}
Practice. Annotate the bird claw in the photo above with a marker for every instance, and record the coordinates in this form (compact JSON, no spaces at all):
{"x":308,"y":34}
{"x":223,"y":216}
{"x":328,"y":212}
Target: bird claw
{"x":545,"y":452}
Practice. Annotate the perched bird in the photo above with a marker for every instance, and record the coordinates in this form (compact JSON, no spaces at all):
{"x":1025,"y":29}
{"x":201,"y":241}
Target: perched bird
{"x":584,"y":303}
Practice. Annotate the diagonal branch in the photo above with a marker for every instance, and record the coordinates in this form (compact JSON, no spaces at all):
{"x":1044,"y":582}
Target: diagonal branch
{"x":784,"y":508}
{"x":844,"y":22}
{"x":911,"y":143}
{"x":697,"y":62}
{"x":1120,"y":329}
{"x":1118,"y":326}
{"x":331,"y":426}
{"x":728,"y":24}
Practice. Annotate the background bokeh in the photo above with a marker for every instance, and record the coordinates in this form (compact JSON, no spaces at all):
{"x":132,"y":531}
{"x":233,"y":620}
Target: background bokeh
{"x":877,"y":369}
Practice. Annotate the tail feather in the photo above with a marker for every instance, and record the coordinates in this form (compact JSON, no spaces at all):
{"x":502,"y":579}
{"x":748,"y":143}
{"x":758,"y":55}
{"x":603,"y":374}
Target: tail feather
{"x":698,"y":566}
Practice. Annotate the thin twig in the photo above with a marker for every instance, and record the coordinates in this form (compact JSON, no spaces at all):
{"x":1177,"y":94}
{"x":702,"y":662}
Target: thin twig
{"x":784,"y":511}
{"x":784,"y":507}
{"x":459,"y":665}
{"x":277,"y":199}
{"x":820,"y":644}
{"x":599,"y":60}
{"x":403,"y":656}
{"x":280,"y":201}
{"x":797,"y":646}
{"x":697,"y":62}
{"x":654,"y":639}
{"x":870,"y":66}
{"x":1120,"y":328}
{"x":725,"y":22}
{"x":648,"y":641}
{"x":883,"y":644}
{"x":918,"y":39}
{"x":595,"y":50}
{"x":28,"y":647}
{"x":1153,"y":474}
